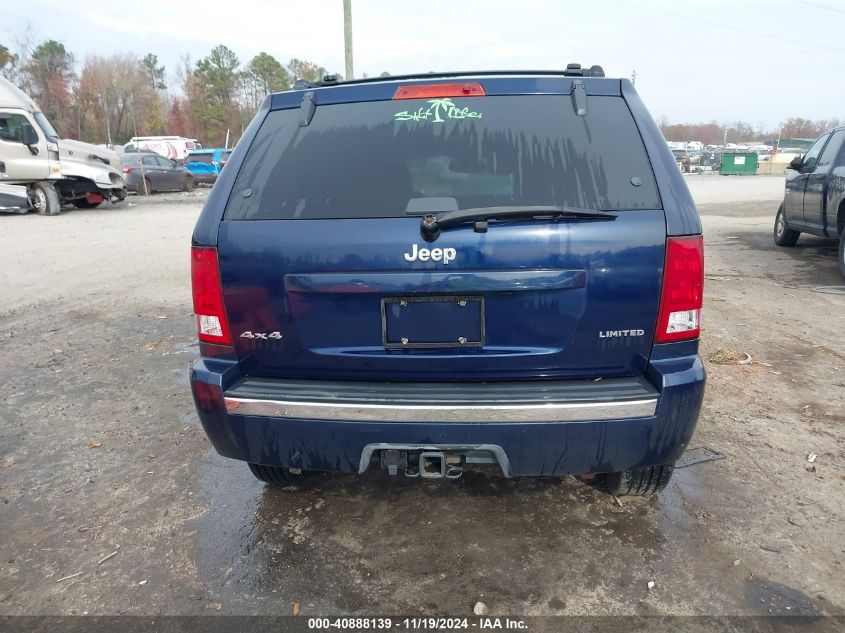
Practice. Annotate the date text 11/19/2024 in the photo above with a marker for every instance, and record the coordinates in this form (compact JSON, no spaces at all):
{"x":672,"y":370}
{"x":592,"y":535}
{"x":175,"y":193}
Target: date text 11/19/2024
{"x":416,"y":624}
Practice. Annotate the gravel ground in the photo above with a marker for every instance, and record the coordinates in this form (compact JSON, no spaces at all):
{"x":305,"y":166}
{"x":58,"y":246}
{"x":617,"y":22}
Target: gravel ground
{"x":112,"y":502}
{"x":710,"y":187}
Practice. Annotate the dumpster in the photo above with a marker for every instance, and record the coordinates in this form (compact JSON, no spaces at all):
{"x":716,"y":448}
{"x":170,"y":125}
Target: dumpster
{"x":739,"y":164}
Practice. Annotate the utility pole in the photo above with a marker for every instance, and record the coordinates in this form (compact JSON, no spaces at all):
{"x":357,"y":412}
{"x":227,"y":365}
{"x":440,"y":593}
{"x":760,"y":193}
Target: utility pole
{"x":347,"y":36}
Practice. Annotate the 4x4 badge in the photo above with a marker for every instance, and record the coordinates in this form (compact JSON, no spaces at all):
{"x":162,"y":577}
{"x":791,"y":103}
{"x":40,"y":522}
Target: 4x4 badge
{"x":262,"y":335}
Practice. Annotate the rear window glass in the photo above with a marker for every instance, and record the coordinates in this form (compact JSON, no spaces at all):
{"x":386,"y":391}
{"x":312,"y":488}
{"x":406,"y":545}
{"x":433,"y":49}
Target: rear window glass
{"x":199,"y":158}
{"x":392,"y":158}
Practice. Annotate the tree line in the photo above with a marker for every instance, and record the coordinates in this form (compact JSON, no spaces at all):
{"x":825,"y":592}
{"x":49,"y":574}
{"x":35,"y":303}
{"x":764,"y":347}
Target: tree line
{"x":110,"y":99}
{"x":713,"y":133}
{"x":113,"y":98}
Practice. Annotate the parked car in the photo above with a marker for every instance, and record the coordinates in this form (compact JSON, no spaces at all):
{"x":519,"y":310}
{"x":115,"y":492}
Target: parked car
{"x":205,"y":164}
{"x":41,"y":171}
{"x":428,"y":272}
{"x":814,"y":201}
{"x":682,"y":158}
{"x":148,"y":173}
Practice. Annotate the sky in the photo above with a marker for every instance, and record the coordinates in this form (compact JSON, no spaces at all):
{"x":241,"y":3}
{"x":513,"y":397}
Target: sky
{"x":758,"y":61}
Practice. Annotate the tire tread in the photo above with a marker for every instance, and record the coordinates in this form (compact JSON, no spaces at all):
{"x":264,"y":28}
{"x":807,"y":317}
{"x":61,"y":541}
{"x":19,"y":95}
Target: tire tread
{"x":642,"y":482}
{"x":270,"y":474}
{"x":789,"y":237}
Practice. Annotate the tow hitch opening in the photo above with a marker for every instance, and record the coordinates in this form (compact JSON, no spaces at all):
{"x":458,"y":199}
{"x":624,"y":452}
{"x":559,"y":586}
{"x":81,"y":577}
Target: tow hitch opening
{"x":432,"y":465}
{"x":427,"y":463}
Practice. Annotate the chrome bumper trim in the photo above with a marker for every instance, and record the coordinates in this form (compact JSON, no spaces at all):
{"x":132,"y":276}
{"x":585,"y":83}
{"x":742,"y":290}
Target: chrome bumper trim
{"x":372,"y":412}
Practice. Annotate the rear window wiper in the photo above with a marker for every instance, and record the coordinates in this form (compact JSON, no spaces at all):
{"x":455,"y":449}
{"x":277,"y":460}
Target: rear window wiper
{"x":431,"y":224}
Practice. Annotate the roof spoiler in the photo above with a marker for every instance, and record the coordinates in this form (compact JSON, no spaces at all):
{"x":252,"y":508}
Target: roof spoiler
{"x":572,"y":70}
{"x":575,"y":70}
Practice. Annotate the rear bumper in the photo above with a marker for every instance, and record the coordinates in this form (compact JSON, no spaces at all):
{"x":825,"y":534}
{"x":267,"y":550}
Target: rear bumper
{"x":538,"y":427}
{"x":397,"y":402}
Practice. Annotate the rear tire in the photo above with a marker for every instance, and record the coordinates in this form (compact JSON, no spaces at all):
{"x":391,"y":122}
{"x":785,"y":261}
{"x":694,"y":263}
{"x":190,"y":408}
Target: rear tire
{"x":45,"y":198}
{"x":642,"y":482}
{"x":784,"y":236}
{"x":273,"y":475}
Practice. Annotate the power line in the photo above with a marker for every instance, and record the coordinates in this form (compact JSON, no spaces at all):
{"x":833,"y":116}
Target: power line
{"x":820,"y":6}
{"x":729,"y":27}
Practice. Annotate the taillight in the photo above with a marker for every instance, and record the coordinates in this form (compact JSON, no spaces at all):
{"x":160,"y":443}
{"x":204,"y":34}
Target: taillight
{"x":683,"y":288}
{"x":127,"y":170}
{"x":433,"y":91}
{"x":212,"y":324}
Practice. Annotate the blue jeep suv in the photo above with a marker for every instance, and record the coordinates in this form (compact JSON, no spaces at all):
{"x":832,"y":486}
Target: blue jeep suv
{"x":422,"y":273}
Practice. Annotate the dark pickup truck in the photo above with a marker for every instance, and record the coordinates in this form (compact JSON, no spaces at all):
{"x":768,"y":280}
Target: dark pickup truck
{"x":815,"y":194}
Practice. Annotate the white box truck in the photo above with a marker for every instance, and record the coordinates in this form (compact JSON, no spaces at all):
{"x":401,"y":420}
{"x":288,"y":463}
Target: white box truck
{"x":40,"y":171}
{"x":173,"y":147}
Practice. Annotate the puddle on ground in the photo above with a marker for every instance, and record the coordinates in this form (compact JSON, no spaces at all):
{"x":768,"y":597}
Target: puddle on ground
{"x":346,"y":541}
{"x":771,"y":598}
{"x":814,"y":259}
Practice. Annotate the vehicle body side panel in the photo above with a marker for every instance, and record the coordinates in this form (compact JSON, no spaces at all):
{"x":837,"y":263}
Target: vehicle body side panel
{"x":205,"y":231}
{"x":681,"y":214}
{"x":834,"y":196}
{"x":814,"y":195}
{"x":105,"y":176}
{"x":835,"y":201}
{"x":793,"y":202}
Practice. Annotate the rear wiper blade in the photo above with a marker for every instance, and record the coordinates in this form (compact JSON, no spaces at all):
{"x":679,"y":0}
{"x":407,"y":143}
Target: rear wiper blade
{"x":432,"y":223}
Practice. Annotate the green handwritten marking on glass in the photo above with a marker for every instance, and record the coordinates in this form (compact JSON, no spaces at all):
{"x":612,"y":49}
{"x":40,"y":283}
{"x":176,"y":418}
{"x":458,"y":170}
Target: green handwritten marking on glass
{"x":439,"y":111}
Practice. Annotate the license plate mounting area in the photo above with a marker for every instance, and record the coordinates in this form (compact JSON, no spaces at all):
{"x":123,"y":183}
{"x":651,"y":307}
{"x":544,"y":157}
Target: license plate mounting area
{"x":431,"y":322}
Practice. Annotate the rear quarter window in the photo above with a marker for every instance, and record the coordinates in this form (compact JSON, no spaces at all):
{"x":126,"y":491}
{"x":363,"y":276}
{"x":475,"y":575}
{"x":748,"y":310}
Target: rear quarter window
{"x":381,"y":159}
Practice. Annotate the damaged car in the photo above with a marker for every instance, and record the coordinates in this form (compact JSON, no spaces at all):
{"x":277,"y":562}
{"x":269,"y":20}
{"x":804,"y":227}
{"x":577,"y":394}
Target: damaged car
{"x":41,"y":171}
